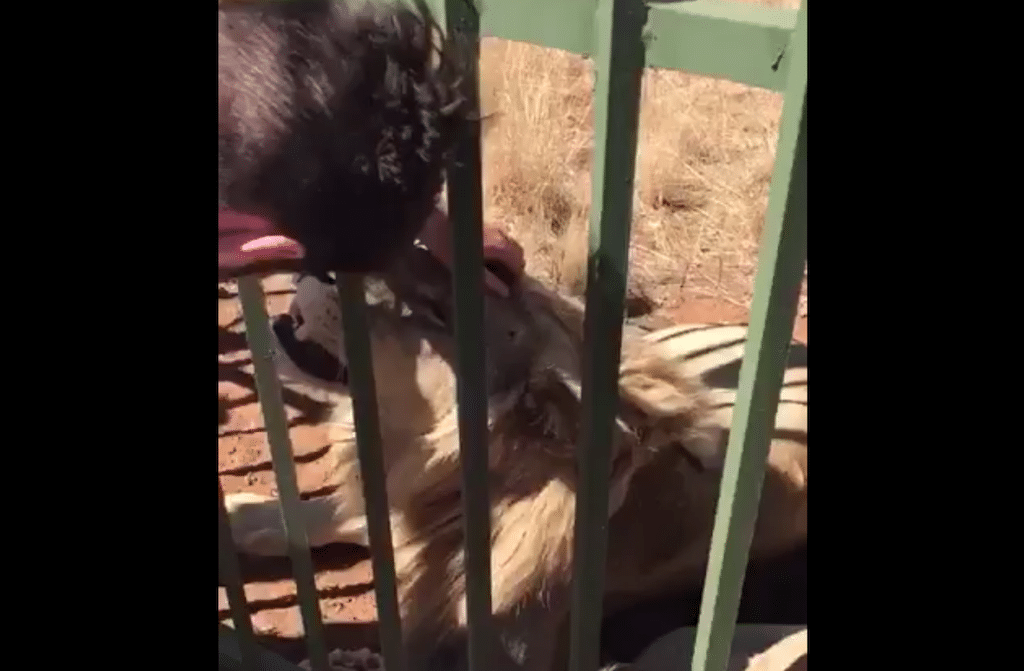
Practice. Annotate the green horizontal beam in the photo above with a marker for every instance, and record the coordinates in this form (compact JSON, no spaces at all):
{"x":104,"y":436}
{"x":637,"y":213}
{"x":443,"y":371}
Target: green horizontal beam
{"x":561,"y":24}
{"x":729,"y":40}
{"x":742,"y":42}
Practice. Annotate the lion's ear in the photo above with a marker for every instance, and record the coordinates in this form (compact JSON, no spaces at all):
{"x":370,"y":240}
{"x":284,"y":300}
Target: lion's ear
{"x":657,"y":396}
{"x":667,"y":408}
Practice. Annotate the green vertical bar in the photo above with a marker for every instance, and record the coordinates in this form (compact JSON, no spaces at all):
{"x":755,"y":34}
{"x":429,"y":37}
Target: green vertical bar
{"x":780,"y":270}
{"x":268,"y":389}
{"x":231,"y":575}
{"x":465,"y":206}
{"x":358,"y":353}
{"x":619,"y":65}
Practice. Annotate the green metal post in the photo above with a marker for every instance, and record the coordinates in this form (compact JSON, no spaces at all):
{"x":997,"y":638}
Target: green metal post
{"x":465,"y":206}
{"x":358,"y":353}
{"x":268,"y":389}
{"x":776,"y":289}
{"x":619,"y":65}
{"x":231,"y":576}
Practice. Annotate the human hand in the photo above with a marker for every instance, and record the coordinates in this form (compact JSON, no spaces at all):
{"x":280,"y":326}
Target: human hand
{"x":499,"y":249}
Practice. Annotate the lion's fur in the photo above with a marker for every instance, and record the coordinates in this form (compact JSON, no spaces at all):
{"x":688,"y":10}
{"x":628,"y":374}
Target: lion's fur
{"x":667,"y":453}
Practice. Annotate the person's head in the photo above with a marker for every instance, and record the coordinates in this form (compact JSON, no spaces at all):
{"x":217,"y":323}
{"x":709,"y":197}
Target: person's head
{"x":335,"y":120}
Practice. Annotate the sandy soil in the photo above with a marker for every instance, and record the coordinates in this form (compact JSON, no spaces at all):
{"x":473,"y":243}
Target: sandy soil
{"x":344,"y":578}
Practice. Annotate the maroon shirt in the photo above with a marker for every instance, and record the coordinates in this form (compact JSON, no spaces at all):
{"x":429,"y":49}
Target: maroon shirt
{"x":250,"y":244}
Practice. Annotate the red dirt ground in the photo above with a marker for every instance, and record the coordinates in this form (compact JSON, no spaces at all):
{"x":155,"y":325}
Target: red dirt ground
{"x":344,"y":578}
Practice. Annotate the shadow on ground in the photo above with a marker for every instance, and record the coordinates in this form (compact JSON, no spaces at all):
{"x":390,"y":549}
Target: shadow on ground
{"x":346,"y":635}
{"x":774,"y":593}
{"x":312,"y":412}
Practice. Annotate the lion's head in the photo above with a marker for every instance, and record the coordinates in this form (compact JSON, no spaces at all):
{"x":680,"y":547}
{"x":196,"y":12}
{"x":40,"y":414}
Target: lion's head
{"x":534,"y":346}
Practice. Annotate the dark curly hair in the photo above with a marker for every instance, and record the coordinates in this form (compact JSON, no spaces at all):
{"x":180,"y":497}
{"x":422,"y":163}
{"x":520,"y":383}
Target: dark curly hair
{"x":335,"y":123}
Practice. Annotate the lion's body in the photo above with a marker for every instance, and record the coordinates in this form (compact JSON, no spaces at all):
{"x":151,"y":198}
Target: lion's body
{"x":669,"y":446}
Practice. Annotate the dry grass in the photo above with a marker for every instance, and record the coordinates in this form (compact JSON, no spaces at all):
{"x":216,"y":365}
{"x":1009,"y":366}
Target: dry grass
{"x":703,"y":168}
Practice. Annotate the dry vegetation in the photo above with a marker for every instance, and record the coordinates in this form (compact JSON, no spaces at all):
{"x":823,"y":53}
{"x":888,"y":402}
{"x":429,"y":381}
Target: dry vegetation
{"x":703,"y":168}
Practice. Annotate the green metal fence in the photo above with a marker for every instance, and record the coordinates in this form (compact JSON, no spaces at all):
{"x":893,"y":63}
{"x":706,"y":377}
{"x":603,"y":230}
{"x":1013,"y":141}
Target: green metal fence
{"x":751,"y":44}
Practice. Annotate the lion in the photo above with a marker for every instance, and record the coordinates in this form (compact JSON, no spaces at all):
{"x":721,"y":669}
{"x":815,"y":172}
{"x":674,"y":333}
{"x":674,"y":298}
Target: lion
{"x":667,"y":452}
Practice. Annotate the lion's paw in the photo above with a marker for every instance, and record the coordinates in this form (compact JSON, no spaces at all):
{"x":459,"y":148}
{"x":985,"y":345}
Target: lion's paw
{"x":256,"y":525}
{"x":351,"y":660}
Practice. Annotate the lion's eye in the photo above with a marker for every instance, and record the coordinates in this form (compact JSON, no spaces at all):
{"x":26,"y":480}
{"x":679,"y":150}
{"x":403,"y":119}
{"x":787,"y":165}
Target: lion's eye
{"x":437,"y":313}
{"x":430,"y":309}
